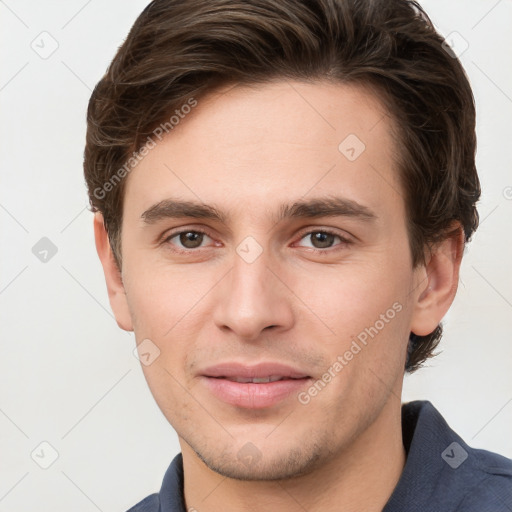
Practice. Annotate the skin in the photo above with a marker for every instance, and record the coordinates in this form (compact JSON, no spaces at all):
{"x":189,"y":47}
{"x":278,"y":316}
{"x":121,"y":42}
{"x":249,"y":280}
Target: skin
{"x":246,"y":150}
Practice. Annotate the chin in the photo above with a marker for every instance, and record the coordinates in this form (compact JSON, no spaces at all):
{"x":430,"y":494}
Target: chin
{"x":251,"y":464}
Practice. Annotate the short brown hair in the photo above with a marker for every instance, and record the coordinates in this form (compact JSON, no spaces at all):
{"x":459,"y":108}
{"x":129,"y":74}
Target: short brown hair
{"x":180,"y":50}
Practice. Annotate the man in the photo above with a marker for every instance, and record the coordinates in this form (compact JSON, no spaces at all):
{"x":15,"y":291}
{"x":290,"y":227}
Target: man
{"x":283,"y":191}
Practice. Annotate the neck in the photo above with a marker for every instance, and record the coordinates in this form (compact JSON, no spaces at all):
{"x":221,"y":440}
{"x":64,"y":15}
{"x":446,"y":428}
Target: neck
{"x":359,"y":477}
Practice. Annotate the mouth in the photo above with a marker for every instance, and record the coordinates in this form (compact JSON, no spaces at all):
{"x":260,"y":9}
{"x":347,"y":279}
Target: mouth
{"x":256,"y":386}
{"x":254,"y":390}
{"x":259,"y":380}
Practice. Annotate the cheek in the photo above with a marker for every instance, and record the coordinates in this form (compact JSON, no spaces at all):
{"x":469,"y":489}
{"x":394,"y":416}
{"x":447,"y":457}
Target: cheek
{"x":362,"y":317}
{"x":167,"y":309}
{"x":159,"y":296}
{"x":344,"y":300}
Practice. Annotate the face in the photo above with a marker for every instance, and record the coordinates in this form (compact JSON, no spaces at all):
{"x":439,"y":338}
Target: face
{"x":303,"y":260}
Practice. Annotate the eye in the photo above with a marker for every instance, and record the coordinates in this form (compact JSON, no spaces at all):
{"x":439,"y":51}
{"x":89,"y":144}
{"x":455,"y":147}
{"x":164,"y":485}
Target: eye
{"x":323,"y":239}
{"x":189,"y":239}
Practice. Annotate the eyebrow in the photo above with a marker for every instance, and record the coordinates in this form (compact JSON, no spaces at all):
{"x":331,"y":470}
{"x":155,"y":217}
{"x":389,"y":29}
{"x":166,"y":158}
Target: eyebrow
{"x":331,"y":206}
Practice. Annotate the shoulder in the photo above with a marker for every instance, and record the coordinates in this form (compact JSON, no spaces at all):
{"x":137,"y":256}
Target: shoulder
{"x":491,"y":483}
{"x":443,"y":473}
{"x":170,"y":496}
{"x":149,"y":504}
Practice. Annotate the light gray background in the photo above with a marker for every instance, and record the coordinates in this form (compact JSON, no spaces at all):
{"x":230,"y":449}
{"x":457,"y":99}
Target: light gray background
{"x":67,"y":372}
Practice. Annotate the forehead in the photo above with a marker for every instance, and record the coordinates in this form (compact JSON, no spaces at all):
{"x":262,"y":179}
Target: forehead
{"x":245,"y":148}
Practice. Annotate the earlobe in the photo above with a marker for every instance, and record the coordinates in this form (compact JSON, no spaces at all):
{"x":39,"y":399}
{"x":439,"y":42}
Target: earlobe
{"x":437,"y":283}
{"x":113,"y":277}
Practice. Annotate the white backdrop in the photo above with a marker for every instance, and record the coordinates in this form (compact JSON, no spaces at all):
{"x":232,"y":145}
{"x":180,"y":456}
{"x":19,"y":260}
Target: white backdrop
{"x":68,"y":376}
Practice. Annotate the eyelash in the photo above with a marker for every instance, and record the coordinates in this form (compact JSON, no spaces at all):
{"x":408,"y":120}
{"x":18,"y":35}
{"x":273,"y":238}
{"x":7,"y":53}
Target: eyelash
{"x":344,"y":241}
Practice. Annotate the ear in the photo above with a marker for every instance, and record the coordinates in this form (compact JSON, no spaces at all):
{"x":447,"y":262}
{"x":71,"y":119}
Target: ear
{"x":113,"y":277}
{"x":437,"y":282}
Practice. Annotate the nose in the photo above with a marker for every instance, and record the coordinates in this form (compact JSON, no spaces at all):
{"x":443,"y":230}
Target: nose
{"x":252,"y":298}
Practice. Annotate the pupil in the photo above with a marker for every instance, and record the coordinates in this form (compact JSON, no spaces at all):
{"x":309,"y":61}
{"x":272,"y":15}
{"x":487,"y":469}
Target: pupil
{"x":191,"y":239}
{"x":321,"y":237}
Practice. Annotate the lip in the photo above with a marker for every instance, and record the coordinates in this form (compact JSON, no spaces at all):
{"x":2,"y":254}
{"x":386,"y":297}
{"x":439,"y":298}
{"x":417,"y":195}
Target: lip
{"x":253,"y":395}
{"x":234,"y":369}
